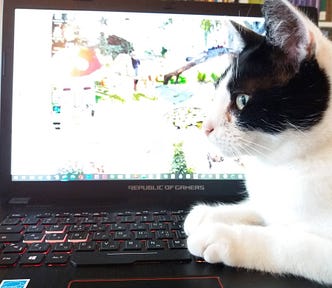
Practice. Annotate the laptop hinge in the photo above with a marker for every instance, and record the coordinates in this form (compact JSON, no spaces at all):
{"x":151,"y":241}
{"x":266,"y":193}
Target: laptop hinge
{"x":19,"y":201}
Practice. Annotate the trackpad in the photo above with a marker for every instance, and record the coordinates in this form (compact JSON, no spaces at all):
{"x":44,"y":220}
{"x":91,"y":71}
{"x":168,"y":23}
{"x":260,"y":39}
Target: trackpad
{"x":188,"y":282}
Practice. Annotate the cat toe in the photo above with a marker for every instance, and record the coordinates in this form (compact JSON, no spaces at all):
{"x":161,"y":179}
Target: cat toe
{"x":196,"y":245}
{"x":214,"y":243}
{"x":213,"y":252}
{"x":195,"y":217}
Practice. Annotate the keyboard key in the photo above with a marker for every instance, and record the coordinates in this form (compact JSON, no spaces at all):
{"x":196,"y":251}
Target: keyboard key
{"x":122,"y":235}
{"x":86,"y":246}
{"x":157,"y":226}
{"x":14,"y":248}
{"x":132,"y":245}
{"x":55,"y":237}
{"x":49,"y":221}
{"x":44,"y":215}
{"x":118,"y":227}
{"x":8,"y":259}
{"x":108,"y":220}
{"x":10,"y":221}
{"x":30,"y":221}
{"x":155,"y":245}
{"x":146,"y":218}
{"x":100,"y":236}
{"x":56,"y":259}
{"x":11,"y":229}
{"x":68,"y":221}
{"x":127,"y":219}
{"x":35,"y":229}
{"x":143,"y":235}
{"x":176,"y":226}
{"x":31,"y":259}
{"x":177,"y":244}
{"x":39,"y":248}
{"x":109,"y":246}
{"x":62,"y":247}
{"x":16,"y":215}
{"x":78,"y":237}
{"x":138,"y":226}
{"x":164,"y":234}
{"x":10,"y":238}
{"x":33,"y":238}
{"x":180,"y":234}
{"x":97,"y":228}
{"x":77,"y":228}
{"x":56,"y":229}
{"x":128,"y":257}
{"x":164,"y":218}
{"x":88,"y":220}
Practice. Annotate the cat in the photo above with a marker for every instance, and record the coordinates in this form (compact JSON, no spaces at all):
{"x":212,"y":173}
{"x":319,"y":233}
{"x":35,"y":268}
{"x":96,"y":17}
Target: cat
{"x":274,"y":110}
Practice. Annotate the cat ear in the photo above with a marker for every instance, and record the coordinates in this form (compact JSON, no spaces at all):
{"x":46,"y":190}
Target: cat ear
{"x":248,"y":36}
{"x":288,"y":29}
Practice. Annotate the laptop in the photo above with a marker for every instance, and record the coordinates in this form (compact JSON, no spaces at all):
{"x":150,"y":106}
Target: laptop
{"x":102,"y":152}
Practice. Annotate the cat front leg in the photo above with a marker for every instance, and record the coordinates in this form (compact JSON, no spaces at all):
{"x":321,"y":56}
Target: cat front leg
{"x":278,"y":250}
{"x":241,"y":213}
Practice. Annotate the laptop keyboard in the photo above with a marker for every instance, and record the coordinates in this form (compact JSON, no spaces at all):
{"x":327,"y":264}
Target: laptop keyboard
{"x":84,"y":239}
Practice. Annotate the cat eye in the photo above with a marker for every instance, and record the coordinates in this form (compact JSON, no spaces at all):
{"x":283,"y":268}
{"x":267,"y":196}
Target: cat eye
{"x":241,"y":100}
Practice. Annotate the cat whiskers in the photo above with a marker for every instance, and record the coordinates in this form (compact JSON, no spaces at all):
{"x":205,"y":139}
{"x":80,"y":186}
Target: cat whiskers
{"x":235,"y":66}
{"x":253,"y":149}
{"x":258,"y":146}
{"x":236,"y":152}
{"x":274,"y":128}
{"x":295,"y":127}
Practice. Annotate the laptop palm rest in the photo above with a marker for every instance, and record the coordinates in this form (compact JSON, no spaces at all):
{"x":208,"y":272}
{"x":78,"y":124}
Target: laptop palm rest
{"x":192,"y":282}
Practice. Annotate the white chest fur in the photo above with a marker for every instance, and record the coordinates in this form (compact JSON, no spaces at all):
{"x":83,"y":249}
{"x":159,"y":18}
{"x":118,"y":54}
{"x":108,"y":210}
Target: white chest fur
{"x":293,"y":194}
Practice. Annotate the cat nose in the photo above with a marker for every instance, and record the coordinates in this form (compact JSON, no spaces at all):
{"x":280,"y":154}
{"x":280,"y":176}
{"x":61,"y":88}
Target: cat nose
{"x":208,"y":128}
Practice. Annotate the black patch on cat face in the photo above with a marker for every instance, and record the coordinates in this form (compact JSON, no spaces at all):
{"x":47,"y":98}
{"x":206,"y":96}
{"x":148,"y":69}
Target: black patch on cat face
{"x":280,"y":97}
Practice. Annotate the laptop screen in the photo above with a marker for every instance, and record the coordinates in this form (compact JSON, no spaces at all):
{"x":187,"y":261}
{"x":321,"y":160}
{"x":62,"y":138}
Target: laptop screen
{"x":118,"y":95}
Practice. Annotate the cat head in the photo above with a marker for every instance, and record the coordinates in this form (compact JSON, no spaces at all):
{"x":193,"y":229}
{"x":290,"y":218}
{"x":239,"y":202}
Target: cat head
{"x":276,"y":91}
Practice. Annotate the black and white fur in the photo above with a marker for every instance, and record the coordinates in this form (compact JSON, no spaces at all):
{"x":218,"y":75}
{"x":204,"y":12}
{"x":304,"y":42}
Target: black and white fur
{"x":274,"y":110}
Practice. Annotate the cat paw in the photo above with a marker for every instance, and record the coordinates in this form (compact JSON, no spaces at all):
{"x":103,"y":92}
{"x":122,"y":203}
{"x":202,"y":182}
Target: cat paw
{"x":198,"y":215}
{"x":224,"y":214}
{"x":215,"y":243}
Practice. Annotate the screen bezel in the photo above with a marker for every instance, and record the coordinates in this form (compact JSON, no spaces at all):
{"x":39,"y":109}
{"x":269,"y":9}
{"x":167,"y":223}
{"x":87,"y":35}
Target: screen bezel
{"x":186,"y":192}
